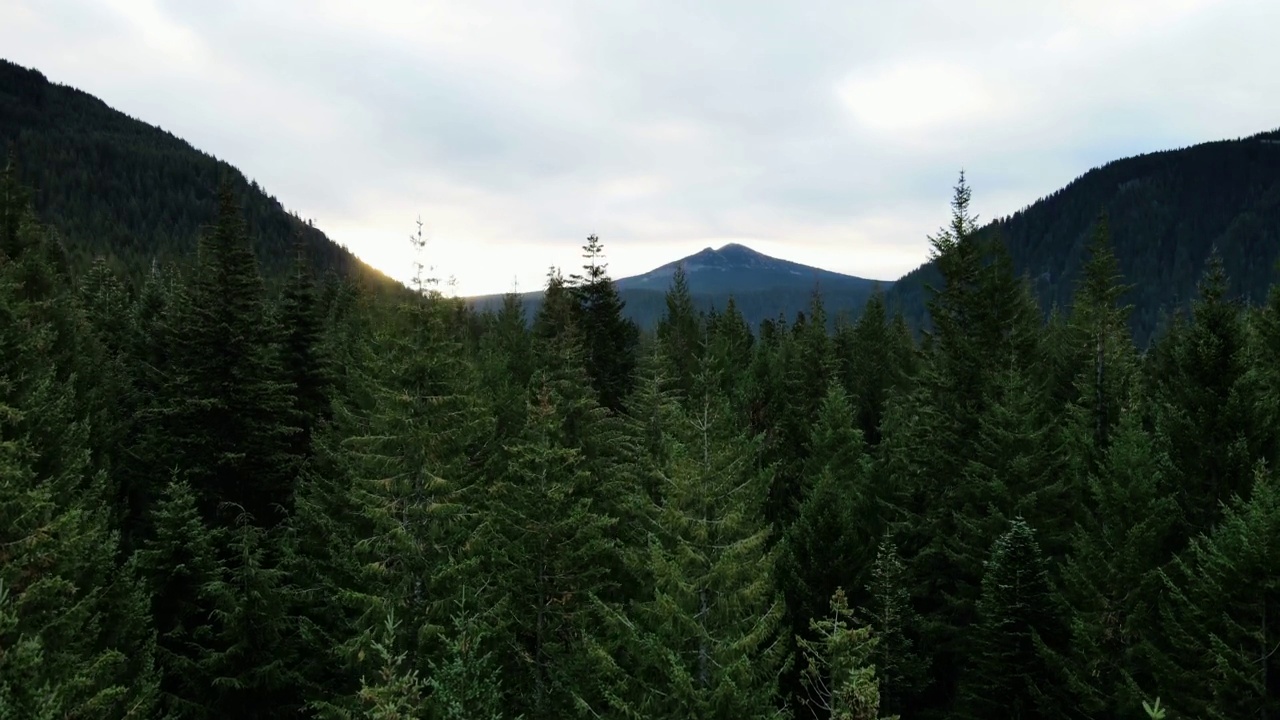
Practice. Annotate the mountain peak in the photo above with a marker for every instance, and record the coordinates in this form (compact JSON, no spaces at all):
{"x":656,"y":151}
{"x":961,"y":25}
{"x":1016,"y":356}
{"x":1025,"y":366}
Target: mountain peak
{"x":736,"y":268}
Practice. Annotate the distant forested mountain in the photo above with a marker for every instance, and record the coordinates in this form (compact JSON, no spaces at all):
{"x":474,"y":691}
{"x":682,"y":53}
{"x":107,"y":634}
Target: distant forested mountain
{"x":118,"y":187}
{"x":762,"y":287}
{"x":1167,"y":212}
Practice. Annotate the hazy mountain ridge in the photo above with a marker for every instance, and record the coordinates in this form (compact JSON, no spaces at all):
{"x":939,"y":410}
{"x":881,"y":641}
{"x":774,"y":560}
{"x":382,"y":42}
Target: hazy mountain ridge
{"x":119,"y":187}
{"x":1167,"y":211}
{"x":761,"y":286}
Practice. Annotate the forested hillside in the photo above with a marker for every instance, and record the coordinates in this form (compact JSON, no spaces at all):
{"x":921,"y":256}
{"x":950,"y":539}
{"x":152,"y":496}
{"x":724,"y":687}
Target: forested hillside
{"x":217,"y":503}
{"x":118,"y":188}
{"x":1168,"y":211}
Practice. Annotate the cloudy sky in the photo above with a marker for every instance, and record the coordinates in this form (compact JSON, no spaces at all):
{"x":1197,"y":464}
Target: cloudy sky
{"x":824,"y":132}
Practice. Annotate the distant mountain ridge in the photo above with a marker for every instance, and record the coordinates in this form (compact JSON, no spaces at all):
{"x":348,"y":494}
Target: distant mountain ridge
{"x":735,"y":268}
{"x":762,"y":287}
{"x":1167,"y":212}
{"x":121,"y":188}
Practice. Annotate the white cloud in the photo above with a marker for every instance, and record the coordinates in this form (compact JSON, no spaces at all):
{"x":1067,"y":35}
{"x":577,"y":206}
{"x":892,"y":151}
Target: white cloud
{"x":827,"y":132}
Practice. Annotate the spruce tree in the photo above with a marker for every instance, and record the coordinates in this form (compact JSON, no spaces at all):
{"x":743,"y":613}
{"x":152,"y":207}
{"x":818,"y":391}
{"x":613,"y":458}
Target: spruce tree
{"x":838,"y":677}
{"x":609,"y":339}
{"x":71,"y":614}
{"x":900,"y":667}
{"x":1011,"y":673}
{"x":829,"y":546}
{"x":180,"y":564}
{"x":1199,"y":405}
{"x":708,"y":642}
{"x":1220,"y":619}
{"x":228,"y":413}
{"x":1110,"y":581}
{"x":680,"y":334}
{"x":303,"y":354}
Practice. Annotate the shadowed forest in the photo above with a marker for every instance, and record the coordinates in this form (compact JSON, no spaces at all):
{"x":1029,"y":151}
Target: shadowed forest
{"x":219,"y":499}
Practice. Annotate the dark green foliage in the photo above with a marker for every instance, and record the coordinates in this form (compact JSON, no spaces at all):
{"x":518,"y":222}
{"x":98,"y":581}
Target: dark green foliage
{"x":1010,"y":674}
{"x":73,"y":635}
{"x":227,"y":409}
{"x":180,"y":565}
{"x":707,"y":642}
{"x":838,"y":678}
{"x":334,"y":503}
{"x":831,"y":544}
{"x":1221,"y":615}
{"x":900,"y":666}
{"x":303,"y":354}
{"x":608,"y":338}
{"x":1166,"y":211}
{"x":680,"y":335}
{"x":874,"y":359}
{"x":1198,"y":404}
{"x":1110,"y":581}
{"x":117,"y":187}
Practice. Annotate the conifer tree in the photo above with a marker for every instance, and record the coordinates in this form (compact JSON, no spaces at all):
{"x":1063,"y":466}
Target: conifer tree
{"x":1110,"y":581}
{"x":71,"y":615}
{"x":829,"y":547}
{"x":1103,"y":359}
{"x":553,"y":549}
{"x":900,"y":667}
{"x":229,"y":415}
{"x":1010,"y":673}
{"x":609,"y":339}
{"x":180,"y":563}
{"x":680,"y":334}
{"x":708,"y":643}
{"x":873,"y":360}
{"x":1199,"y":405}
{"x":838,"y":676}
{"x":303,"y":354}
{"x":1221,"y":615}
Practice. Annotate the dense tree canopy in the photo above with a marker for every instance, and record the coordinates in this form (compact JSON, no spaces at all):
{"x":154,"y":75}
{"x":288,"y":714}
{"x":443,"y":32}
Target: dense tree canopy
{"x":223,"y":500}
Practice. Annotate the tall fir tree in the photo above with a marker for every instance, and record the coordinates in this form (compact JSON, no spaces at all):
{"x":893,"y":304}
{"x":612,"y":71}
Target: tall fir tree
{"x":708,"y":643}
{"x":228,"y":413}
{"x":1012,"y":673}
{"x":1221,"y":614}
{"x":609,"y":338}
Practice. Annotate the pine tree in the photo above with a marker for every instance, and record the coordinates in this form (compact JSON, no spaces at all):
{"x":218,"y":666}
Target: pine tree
{"x":874,"y":359}
{"x":1199,"y":405}
{"x":900,"y":667}
{"x":71,"y":615}
{"x":708,"y":642}
{"x":1221,"y":614}
{"x":609,"y":338}
{"x":180,"y":563}
{"x":303,"y":354}
{"x":1102,"y":360}
{"x":553,"y":549}
{"x":228,"y":412}
{"x":838,"y":676}
{"x":1110,"y":580}
{"x":829,"y":546}
{"x":680,"y":334}
{"x":1010,"y":674}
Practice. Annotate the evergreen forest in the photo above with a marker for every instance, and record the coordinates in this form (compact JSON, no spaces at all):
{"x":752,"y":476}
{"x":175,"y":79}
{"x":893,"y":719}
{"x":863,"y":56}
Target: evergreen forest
{"x":224,"y":495}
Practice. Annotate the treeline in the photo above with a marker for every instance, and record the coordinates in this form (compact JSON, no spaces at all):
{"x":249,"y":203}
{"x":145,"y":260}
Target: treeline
{"x":216,"y":503}
{"x":1167,"y":210}
{"x":119,"y":189}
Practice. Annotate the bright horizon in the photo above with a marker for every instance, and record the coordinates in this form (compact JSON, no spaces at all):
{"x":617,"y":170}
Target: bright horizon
{"x":829,"y":135}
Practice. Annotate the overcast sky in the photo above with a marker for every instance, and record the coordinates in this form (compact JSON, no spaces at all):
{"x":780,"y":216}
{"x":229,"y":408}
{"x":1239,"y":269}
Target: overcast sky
{"x":828,"y":133}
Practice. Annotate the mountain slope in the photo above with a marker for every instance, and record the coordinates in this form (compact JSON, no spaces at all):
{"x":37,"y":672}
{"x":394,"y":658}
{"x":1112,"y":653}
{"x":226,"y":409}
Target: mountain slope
{"x":761,"y":286}
{"x":118,"y":187}
{"x":1167,"y":211}
{"x":736,"y":268}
